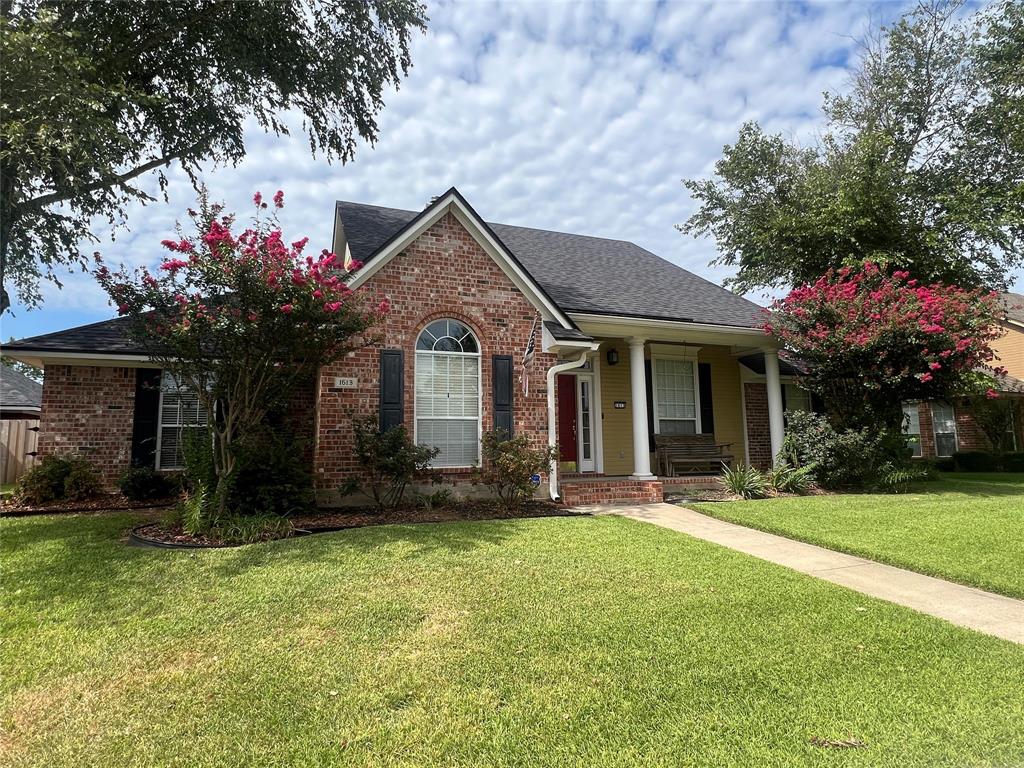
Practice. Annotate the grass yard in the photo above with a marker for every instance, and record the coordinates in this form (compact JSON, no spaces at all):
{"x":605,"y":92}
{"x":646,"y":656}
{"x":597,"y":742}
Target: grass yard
{"x":570,"y":642}
{"x":964,"y":527}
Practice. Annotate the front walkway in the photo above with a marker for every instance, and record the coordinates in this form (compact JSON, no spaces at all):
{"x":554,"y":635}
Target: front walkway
{"x":967,"y":606}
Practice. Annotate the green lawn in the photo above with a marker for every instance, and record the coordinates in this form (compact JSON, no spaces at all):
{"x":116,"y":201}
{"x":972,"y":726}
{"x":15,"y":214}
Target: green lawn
{"x":572,"y":641}
{"x":967,"y":528}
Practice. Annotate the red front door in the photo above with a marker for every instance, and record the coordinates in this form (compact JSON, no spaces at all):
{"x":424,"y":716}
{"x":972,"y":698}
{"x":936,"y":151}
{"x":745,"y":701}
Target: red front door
{"x":566,"y":417}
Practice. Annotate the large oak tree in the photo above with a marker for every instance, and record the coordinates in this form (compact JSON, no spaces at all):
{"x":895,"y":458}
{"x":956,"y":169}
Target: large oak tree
{"x":920,"y":165}
{"x":97,"y":94}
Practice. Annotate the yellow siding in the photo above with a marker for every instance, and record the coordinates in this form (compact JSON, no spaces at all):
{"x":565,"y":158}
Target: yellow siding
{"x":725,"y":391}
{"x":1009,"y":348}
{"x":618,"y":424}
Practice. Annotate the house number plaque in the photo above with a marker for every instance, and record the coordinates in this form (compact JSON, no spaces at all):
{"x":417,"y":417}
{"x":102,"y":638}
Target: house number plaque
{"x":620,"y":405}
{"x":345,"y":382}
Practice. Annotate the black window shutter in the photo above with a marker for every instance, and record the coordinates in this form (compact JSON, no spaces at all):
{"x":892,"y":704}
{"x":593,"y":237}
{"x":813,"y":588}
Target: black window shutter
{"x":707,"y":408}
{"x":392,"y":386}
{"x":649,"y":380}
{"x":501,"y":384}
{"x":146,"y":417}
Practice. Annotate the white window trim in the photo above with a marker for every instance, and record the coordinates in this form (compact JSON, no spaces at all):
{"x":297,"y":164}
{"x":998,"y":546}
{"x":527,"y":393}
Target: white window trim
{"x":687,"y":357}
{"x":479,"y":392}
{"x":160,"y":425}
{"x":935,"y":433}
{"x":919,"y":453}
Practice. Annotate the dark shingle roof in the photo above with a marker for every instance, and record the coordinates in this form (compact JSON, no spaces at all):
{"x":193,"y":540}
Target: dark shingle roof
{"x":581,"y":273}
{"x":18,"y":391}
{"x":109,"y":336}
{"x":1014,"y":303}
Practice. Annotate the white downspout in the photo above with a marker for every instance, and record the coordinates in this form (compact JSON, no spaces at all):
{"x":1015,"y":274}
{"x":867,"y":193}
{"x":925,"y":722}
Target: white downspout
{"x":553,"y":371}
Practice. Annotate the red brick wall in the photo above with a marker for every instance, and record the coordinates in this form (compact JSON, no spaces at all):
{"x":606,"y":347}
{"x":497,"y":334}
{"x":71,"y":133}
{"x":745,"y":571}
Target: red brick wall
{"x":89,"y":410}
{"x":444,"y":273}
{"x":759,"y":441}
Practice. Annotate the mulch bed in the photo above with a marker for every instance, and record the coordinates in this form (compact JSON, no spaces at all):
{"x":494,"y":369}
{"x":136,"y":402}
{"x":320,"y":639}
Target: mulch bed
{"x":107,"y":502}
{"x":325,"y":521}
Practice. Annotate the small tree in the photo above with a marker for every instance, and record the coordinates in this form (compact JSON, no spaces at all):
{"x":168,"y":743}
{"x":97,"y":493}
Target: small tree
{"x":509,"y":464}
{"x":241,"y":320}
{"x":994,"y":416}
{"x":872,"y":340}
{"x":391,"y":461}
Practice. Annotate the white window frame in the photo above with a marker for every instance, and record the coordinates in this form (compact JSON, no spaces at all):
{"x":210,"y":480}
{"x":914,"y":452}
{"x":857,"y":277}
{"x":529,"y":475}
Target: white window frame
{"x":913,"y":438}
{"x":479,"y":390}
{"x":790,"y":385}
{"x":935,"y":432}
{"x":679,"y":357}
{"x":168,"y":384}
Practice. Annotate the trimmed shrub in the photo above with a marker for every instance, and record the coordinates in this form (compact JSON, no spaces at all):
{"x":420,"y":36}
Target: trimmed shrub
{"x":976,"y":461}
{"x":745,"y":481}
{"x":56,"y":478}
{"x":390,"y":461}
{"x":509,"y":464}
{"x":851,"y":459}
{"x":145,"y":483}
{"x":82,"y":481}
{"x":271,"y":476}
{"x":1013,"y":462}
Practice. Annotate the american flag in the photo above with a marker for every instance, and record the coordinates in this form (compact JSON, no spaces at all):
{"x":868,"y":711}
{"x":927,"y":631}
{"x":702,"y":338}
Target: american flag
{"x":531,"y":347}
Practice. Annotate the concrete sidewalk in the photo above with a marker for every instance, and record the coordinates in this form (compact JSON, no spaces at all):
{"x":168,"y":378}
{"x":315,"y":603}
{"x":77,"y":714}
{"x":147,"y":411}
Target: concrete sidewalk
{"x":969,"y":607}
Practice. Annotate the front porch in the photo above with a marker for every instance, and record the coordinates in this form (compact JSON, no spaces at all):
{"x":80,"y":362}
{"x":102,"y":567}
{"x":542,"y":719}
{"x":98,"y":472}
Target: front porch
{"x":624,"y":384}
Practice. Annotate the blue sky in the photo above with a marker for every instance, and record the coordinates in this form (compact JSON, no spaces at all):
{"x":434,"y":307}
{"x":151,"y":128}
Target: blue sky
{"x":570,"y":116}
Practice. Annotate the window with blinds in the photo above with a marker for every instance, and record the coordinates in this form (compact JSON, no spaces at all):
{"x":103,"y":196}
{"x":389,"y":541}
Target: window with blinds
{"x":447,"y":400}
{"x":944,"y":427}
{"x":912,"y":428}
{"x":675,"y":396}
{"x":180,"y":411}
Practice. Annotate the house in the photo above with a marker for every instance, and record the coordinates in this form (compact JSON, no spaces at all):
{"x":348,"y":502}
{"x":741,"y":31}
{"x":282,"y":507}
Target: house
{"x":20,"y":400}
{"x":624,"y":346}
{"x":941,"y":429}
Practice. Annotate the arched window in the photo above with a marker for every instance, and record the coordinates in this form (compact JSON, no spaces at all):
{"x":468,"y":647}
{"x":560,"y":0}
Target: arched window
{"x":448,"y":392}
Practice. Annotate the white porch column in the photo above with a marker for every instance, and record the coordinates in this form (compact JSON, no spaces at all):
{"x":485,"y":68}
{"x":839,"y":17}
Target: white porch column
{"x":776,"y":428}
{"x":638,"y":387}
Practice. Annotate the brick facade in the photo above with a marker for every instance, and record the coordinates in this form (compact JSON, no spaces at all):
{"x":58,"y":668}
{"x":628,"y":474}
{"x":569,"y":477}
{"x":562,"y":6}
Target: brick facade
{"x":444,"y":273}
{"x":89,"y":410}
{"x":603,"y":491}
{"x":969,"y":436}
{"x":759,"y":443}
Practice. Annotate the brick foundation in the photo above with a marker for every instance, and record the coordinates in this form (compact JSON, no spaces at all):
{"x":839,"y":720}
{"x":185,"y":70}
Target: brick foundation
{"x":444,"y":273}
{"x":604,"y":491}
{"x":89,"y":410}
{"x":759,"y":443}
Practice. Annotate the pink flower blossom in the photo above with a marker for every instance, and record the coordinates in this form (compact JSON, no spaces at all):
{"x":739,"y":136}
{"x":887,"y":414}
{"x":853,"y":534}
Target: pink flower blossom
{"x":258,"y":199}
{"x":934,"y":366}
{"x":925,"y":377}
{"x":287,"y":308}
{"x":332,"y":306}
{"x":173,"y":265}
{"x":355,"y":265}
{"x":991,"y":394}
{"x":384,"y":307}
{"x":279,"y":199}
{"x":122,"y":309}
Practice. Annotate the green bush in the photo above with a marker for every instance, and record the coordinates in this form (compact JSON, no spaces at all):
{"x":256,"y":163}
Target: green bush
{"x":785,"y":478}
{"x":975,"y":461}
{"x":57,"y":478}
{"x":145,"y":483}
{"x":745,"y":481}
{"x":1013,"y":462}
{"x":272,"y":476}
{"x":851,"y":459}
{"x":509,"y":464}
{"x":390,"y":462}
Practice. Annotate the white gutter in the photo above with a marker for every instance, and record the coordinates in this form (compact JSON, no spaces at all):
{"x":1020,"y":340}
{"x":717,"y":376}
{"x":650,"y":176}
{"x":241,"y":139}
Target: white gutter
{"x":553,"y":371}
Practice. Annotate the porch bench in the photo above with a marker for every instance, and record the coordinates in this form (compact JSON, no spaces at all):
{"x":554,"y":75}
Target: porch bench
{"x":691,"y":453}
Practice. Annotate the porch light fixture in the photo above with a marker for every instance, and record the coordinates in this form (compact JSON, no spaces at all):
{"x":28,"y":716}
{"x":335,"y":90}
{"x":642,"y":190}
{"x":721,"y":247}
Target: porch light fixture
{"x":613,"y":356}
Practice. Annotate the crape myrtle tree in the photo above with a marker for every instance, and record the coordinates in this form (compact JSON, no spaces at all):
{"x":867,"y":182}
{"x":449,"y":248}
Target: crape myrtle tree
{"x":872,"y":338}
{"x":97,"y":96}
{"x":242,"y":319}
{"x":920,"y":164}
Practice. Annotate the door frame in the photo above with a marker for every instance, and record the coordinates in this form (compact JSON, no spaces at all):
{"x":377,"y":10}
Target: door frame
{"x":593,"y":374}
{"x":582,"y":464}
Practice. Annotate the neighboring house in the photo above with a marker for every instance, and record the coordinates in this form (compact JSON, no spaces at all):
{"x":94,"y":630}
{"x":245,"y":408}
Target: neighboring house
{"x":20,"y":401}
{"x":626,"y":346}
{"x":940,"y":429}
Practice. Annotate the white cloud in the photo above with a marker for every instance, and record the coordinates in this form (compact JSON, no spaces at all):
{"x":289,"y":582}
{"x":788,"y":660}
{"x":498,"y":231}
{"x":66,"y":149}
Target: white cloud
{"x":569,"y":116}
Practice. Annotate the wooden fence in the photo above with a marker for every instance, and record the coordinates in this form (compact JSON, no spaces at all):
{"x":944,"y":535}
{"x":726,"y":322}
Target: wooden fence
{"x":18,"y":439}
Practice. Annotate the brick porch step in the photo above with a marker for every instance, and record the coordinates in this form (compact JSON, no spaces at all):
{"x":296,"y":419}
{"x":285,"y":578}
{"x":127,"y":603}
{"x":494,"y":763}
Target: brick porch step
{"x":603,"y":490}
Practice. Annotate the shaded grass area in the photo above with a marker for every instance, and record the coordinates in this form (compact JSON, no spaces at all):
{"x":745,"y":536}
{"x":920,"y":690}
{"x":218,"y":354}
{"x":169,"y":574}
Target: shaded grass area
{"x":574,"y":641}
{"x":965,"y":527}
